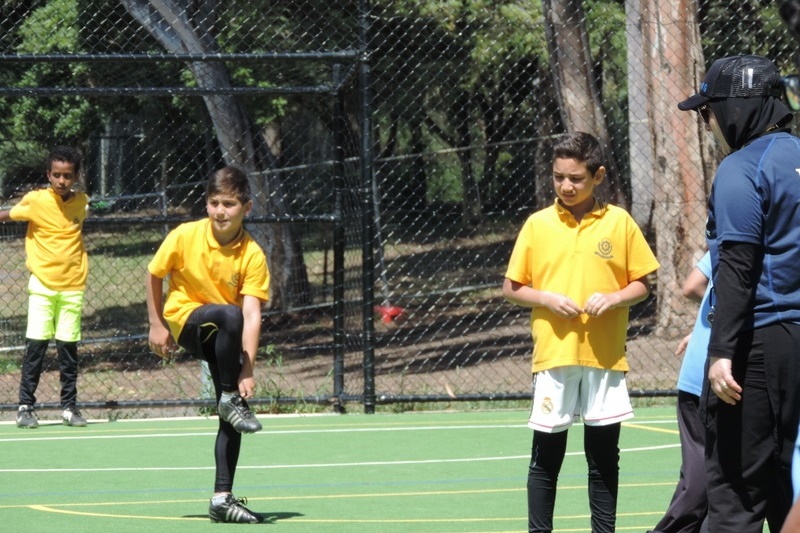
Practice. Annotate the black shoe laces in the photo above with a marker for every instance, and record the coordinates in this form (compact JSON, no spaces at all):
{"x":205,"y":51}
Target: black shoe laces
{"x":245,"y":409}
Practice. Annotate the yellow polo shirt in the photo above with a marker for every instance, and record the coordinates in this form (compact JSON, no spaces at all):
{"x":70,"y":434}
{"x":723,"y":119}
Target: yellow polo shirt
{"x":603,"y":253}
{"x":54,"y":247}
{"x":203,"y":272}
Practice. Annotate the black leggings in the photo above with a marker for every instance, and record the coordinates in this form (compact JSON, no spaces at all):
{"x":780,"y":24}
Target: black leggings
{"x":601,"y":447}
{"x":35,"y":351}
{"x":214,"y":333}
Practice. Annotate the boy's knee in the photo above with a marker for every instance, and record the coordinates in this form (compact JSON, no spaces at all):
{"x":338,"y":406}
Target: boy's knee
{"x":36,"y":344}
{"x":67,"y":344}
{"x":232,"y":317}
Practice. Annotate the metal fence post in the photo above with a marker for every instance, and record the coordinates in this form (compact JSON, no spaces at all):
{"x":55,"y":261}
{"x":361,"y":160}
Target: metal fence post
{"x":367,"y":223}
{"x":338,"y":243}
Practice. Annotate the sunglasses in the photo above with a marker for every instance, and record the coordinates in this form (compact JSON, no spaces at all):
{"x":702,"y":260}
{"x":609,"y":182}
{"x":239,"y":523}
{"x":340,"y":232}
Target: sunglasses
{"x":704,"y":113}
{"x":791,"y":91}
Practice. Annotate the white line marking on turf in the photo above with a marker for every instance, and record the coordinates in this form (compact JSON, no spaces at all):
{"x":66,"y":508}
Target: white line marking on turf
{"x":315,"y":465}
{"x":268,"y":432}
{"x":174,"y":419}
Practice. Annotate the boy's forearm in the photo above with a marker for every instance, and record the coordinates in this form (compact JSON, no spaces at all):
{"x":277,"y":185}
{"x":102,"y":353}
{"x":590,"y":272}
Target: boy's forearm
{"x":250,"y":336}
{"x":523,"y":295}
{"x":527,"y":296}
{"x":251,"y":333}
{"x":636,"y":291}
{"x":155,"y":296}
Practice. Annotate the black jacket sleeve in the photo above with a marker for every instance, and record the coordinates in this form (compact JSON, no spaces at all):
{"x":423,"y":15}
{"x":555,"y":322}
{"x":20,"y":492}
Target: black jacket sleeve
{"x":735,"y":284}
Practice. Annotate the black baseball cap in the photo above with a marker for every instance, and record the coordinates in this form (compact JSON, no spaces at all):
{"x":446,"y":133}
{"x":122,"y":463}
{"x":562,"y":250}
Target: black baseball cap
{"x":736,"y":77}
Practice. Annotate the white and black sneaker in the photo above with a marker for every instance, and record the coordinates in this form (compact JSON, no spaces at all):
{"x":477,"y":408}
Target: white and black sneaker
{"x":72,"y":417}
{"x":26,"y":418}
{"x":232,"y":511}
{"x":234,"y":410}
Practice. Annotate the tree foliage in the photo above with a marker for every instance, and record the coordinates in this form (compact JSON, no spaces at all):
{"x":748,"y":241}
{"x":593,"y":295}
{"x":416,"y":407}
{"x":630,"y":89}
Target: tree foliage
{"x":460,"y":78}
{"x":50,"y":28}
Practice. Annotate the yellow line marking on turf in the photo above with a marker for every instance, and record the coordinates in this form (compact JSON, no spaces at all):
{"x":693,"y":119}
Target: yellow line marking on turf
{"x":63,"y":509}
{"x":109,"y":515}
{"x":268,"y":518}
{"x":324,"y":496}
{"x":50,"y":509}
{"x":650,"y":428}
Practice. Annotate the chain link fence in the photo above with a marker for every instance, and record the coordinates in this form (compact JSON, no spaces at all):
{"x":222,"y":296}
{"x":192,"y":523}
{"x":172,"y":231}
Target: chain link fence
{"x":394,"y":148}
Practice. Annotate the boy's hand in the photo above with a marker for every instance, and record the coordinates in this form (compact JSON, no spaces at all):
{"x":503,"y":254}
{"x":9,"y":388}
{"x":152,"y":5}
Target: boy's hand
{"x":683,"y":344}
{"x":247,"y":383}
{"x":247,"y":386}
{"x":598,"y":303}
{"x":562,"y":305}
{"x":160,"y":341}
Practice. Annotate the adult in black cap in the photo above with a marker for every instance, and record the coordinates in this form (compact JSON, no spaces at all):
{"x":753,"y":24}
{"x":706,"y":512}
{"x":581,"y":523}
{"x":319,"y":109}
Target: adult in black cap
{"x":752,"y":395}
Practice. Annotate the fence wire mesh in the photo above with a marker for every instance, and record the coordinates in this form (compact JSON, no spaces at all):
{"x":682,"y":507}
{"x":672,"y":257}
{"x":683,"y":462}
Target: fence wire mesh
{"x":412,"y":136}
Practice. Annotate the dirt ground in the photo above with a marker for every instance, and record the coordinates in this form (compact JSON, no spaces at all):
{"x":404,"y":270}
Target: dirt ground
{"x":445,"y":353}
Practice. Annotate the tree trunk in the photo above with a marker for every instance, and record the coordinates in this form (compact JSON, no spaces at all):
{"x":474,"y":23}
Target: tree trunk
{"x":640,"y":147}
{"x":576,"y":87}
{"x":547,"y":124}
{"x":674,"y":67}
{"x":472,"y":212}
{"x":190,"y":31}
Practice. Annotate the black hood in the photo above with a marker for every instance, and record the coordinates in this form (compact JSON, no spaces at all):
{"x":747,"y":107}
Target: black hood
{"x":743,"y":119}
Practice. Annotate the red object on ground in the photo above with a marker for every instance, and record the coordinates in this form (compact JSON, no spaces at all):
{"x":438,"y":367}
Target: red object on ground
{"x":389,"y":313}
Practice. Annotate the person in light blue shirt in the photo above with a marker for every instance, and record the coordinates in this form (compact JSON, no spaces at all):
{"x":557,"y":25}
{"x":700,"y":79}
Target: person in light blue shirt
{"x":792,"y":522}
{"x":688,"y":509}
{"x":796,"y":468}
{"x":697,"y":286}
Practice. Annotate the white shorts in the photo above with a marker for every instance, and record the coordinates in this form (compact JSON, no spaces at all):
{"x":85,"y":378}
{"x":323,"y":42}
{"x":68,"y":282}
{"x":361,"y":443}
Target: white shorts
{"x":562,"y":395}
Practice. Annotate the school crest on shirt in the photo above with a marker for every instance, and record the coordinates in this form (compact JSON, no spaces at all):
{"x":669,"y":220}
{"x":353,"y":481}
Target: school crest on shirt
{"x":604,"y":249}
{"x":547,"y":406}
{"x":234,"y":282}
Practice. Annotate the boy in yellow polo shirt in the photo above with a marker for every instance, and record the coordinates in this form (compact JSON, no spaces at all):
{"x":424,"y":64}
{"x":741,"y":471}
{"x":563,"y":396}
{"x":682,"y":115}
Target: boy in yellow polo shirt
{"x":57,"y":261}
{"x":218,"y":279}
{"x":579,"y":264}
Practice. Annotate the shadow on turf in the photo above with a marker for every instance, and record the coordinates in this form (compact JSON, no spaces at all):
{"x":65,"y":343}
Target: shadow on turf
{"x":266,"y":518}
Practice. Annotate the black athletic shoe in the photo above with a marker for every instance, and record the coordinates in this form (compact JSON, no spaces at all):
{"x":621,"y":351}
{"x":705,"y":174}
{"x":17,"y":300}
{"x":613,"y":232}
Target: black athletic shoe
{"x":72,"y":417}
{"x":232,"y":511}
{"x":236,"y":412}
{"x":26,"y":417}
